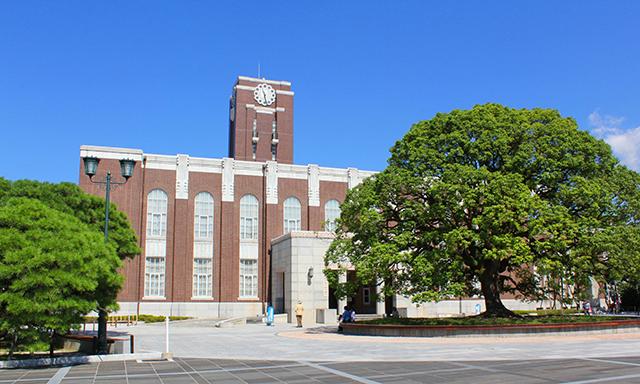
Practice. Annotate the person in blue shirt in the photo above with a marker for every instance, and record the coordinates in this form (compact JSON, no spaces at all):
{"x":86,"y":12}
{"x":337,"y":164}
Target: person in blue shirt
{"x":346,"y":315}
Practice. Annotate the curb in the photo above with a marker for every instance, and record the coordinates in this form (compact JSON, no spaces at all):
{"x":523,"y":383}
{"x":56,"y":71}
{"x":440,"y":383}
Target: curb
{"x":234,"y":321}
{"x":73,"y":360}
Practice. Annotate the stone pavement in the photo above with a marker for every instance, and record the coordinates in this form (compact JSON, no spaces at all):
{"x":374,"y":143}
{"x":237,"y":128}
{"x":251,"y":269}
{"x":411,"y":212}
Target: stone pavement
{"x":285,"y":342}
{"x":203,"y":371}
{"x":256,"y":353}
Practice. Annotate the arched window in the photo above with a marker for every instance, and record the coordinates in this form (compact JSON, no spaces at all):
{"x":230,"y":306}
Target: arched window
{"x":156,"y":244}
{"x":248,"y":218}
{"x":203,"y":245}
{"x":291,"y":215}
{"x":331,"y":213}
{"x":248,"y":246}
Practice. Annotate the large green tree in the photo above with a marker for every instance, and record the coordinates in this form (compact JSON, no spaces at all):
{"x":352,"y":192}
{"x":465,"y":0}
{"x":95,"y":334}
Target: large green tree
{"x":69,"y":198}
{"x":51,"y":267}
{"x":87,"y":210}
{"x":491,"y":198}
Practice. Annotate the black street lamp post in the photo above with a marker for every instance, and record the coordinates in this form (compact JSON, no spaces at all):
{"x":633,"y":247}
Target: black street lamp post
{"x":90,"y":169}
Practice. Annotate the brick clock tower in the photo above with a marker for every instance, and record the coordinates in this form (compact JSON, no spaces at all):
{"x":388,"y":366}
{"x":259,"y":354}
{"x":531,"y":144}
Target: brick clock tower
{"x":261,"y":120}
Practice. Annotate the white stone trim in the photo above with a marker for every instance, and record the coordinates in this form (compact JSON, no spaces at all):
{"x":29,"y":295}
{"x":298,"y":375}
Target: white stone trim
{"x":227,"y":179}
{"x":160,"y":162}
{"x":278,"y":91}
{"x":313,"y":185}
{"x":248,"y":168}
{"x":266,"y":110}
{"x":258,"y":80}
{"x":332,"y":174}
{"x":217,"y":165}
{"x":111,"y":152}
{"x":353,"y":178}
{"x":201,"y":164}
{"x":303,"y":234}
{"x":290,"y":171}
{"x":182,"y":177}
{"x":271,"y":174}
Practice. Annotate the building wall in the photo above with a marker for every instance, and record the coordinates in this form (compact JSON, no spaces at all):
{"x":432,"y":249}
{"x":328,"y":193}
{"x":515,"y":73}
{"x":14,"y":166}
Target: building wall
{"x":182,"y":177}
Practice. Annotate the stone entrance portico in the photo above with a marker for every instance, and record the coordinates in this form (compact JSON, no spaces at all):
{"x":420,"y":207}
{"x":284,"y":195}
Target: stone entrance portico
{"x":297,"y":274}
{"x":297,"y":262}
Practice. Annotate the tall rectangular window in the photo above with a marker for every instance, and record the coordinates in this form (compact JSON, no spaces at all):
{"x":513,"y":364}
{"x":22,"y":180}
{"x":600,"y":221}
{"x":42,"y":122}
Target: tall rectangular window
{"x":203,"y":246}
{"x":155,"y":249}
{"x":248,"y":247}
{"x":292,"y":214}
{"x":248,"y":278}
{"x":331,"y":214}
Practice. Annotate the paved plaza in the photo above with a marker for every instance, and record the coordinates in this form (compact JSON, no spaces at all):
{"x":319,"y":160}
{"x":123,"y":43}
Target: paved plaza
{"x":201,"y":371}
{"x":283,"y":354}
{"x":319,"y":343}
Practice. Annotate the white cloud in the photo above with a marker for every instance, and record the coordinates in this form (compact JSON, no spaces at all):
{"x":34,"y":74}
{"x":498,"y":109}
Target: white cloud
{"x":626,"y":145}
{"x":624,"y":142}
{"x":604,"y":125}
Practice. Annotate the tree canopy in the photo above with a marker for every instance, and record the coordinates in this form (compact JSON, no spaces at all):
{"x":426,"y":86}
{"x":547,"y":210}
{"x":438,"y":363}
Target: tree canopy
{"x":491,"y":200}
{"x":55,"y":266}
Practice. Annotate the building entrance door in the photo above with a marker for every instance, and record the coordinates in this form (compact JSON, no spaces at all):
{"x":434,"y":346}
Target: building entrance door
{"x":364,"y":301}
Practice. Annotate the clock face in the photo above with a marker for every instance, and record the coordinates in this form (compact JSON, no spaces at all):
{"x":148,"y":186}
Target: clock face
{"x":264,"y":94}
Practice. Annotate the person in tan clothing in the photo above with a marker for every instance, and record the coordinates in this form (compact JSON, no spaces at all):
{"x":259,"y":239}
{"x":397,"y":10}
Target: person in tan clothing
{"x":299,"y":311}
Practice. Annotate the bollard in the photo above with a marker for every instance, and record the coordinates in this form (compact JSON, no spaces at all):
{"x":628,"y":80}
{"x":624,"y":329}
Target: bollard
{"x":131,"y":344}
{"x":167,"y":355}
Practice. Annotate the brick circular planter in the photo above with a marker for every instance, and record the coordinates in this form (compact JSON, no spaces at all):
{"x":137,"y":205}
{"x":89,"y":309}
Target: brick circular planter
{"x":614,"y":326}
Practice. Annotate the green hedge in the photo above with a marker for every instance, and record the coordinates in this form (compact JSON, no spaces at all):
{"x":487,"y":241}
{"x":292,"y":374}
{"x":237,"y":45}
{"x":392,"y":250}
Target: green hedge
{"x":477,"y":320}
{"x":546,"y":312}
{"x":143,"y":317}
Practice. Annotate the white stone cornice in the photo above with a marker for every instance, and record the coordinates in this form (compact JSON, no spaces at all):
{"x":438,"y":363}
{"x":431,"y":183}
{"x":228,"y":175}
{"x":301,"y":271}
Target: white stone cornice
{"x":333,"y":174}
{"x":290,"y":171}
{"x":201,"y":164}
{"x":258,"y":80}
{"x":160,"y":162}
{"x":110,"y":152}
{"x":248,"y":168}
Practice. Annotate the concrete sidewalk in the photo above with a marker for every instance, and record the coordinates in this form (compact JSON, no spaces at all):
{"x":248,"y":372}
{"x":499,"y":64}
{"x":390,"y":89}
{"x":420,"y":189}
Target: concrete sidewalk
{"x":285,"y":342}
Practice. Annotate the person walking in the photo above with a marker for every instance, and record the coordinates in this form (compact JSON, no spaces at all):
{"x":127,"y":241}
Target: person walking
{"x":299,"y":312}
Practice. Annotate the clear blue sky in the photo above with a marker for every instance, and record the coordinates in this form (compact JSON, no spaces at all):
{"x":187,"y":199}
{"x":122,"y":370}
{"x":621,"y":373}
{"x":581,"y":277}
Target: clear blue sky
{"x":157,"y":75}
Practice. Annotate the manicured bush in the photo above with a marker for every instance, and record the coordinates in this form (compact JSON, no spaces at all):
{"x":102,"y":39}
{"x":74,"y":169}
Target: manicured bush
{"x":480,"y":320}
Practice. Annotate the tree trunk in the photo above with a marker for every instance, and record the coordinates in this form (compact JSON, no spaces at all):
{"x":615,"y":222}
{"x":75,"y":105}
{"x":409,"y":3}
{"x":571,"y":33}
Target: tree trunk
{"x":51,"y":343}
{"x":102,"y":332}
{"x":491,"y":292}
{"x":14,"y":345}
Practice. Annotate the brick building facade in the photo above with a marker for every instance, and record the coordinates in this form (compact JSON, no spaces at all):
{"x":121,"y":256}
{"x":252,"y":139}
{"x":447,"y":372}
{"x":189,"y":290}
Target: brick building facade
{"x":206,"y":224}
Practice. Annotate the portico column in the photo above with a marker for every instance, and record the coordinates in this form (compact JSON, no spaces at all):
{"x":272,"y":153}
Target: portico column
{"x":380,"y":305}
{"x":342,"y":278}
